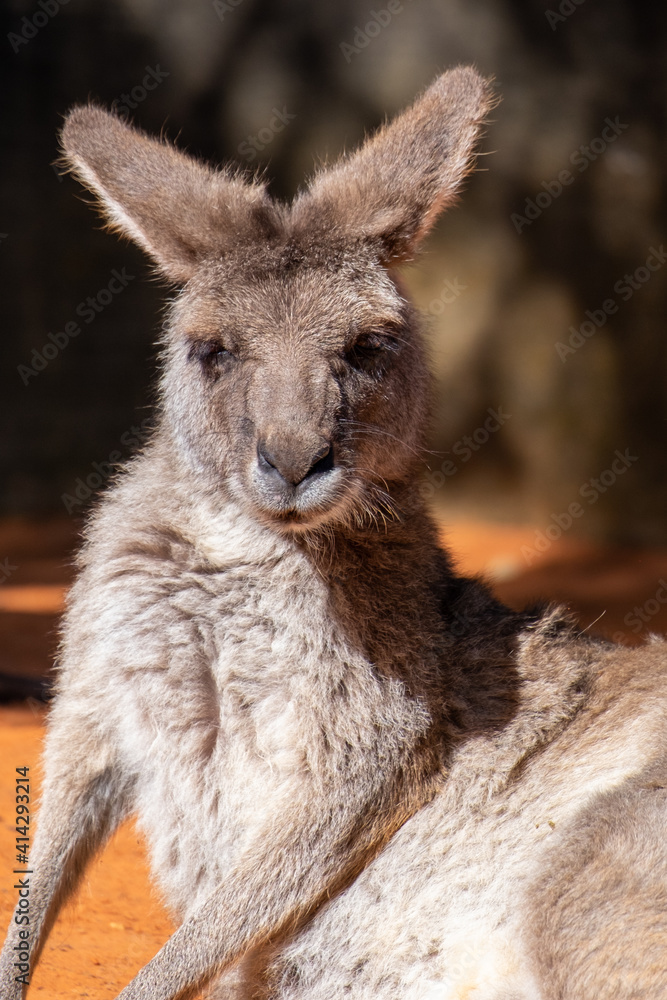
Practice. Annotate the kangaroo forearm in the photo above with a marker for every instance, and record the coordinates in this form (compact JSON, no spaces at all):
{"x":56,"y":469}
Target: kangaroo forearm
{"x":273,"y":890}
{"x":42,"y":889}
{"x":69,"y":832}
{"x":246,"y":911}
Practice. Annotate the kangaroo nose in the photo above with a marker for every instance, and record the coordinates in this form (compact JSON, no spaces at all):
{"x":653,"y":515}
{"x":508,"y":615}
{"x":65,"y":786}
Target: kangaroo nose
{"x":294,"y":464}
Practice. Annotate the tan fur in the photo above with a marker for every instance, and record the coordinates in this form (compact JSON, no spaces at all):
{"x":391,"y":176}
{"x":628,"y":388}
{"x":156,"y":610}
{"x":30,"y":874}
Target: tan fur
{"x":359,"y":775}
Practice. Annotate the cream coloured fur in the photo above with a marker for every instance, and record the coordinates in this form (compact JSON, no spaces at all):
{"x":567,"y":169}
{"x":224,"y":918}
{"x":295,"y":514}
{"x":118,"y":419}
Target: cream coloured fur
{"x":359,"y":775}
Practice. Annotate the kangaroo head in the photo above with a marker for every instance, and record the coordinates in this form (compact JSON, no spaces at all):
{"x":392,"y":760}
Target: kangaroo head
{"x":295,"y":378}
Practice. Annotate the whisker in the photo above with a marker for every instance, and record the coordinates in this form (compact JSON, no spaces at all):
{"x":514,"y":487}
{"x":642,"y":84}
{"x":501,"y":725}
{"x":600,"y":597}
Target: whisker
{"x":360,"y":427}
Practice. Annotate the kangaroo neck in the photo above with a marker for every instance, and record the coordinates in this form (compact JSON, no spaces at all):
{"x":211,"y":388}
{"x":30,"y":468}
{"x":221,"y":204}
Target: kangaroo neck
{"x":384,"y":586}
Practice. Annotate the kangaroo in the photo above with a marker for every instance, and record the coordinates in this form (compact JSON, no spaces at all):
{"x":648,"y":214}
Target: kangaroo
{"x":357,"y":772}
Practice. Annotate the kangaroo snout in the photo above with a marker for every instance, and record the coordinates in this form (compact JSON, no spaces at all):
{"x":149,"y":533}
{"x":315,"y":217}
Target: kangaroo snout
{"x":291,"y":461}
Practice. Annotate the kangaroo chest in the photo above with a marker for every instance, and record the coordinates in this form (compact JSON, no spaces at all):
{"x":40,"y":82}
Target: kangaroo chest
{"x":253,"y":685}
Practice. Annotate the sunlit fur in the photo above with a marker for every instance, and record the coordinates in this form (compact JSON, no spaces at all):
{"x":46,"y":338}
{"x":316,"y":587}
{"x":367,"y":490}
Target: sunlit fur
{"x":288,"y":329}
{"x":358,"y":774}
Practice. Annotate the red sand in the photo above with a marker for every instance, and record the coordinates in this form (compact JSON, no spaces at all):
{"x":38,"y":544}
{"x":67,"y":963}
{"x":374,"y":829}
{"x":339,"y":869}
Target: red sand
{"x":115,"y":924}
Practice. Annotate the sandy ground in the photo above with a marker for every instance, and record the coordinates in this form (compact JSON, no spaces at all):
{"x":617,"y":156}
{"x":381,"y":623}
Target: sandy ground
{"x":116,"y":923}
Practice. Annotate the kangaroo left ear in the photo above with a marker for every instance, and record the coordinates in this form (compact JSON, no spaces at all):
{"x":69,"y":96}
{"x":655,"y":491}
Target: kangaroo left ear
{"x":177,"y":209}
{"x":392,"y":189}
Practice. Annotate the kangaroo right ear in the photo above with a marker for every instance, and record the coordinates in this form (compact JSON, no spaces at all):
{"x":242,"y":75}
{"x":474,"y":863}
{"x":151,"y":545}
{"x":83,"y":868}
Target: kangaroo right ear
{"x":177,"y":209}
{"x":390,"y":191}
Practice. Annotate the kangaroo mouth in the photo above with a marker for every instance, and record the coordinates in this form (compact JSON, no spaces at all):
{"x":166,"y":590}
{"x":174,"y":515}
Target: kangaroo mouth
{"x":306,"y":506}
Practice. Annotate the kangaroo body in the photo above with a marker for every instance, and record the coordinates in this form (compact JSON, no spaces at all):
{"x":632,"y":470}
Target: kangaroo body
{"x":547,"y":885}
{"x":230,"y":630}
{"x":359,"y":774}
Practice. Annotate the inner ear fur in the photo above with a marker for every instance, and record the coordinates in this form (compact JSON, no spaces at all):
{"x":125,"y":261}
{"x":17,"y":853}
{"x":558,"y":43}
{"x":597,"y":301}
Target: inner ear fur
{"x":177,"y":209}
{"x":390,"y":191}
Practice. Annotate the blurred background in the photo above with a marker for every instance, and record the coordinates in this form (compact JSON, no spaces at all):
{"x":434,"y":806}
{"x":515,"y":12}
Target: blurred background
{"x":543,"y":291}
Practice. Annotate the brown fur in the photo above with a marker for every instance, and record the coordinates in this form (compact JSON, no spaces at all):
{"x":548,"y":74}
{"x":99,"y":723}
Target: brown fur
{"x":268,"y":659}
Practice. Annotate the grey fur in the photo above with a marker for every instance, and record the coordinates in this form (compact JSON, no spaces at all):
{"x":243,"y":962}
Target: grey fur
{"x":359,"y":775}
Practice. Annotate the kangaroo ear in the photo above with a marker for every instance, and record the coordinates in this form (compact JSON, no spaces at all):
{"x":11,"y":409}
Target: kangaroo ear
{"x":391,"y":190}
{"x":179,"y":210}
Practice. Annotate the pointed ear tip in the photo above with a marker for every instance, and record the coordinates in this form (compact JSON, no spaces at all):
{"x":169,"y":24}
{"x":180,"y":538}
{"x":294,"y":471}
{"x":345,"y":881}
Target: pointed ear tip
{"x":468,"y":84}
{"x":81,"y":120}
{"x":83,"y":113}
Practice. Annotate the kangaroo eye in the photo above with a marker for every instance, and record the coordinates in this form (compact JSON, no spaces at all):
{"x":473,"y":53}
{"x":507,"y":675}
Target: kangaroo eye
{"x":369,"y":351}
{"x":210,"y":353}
